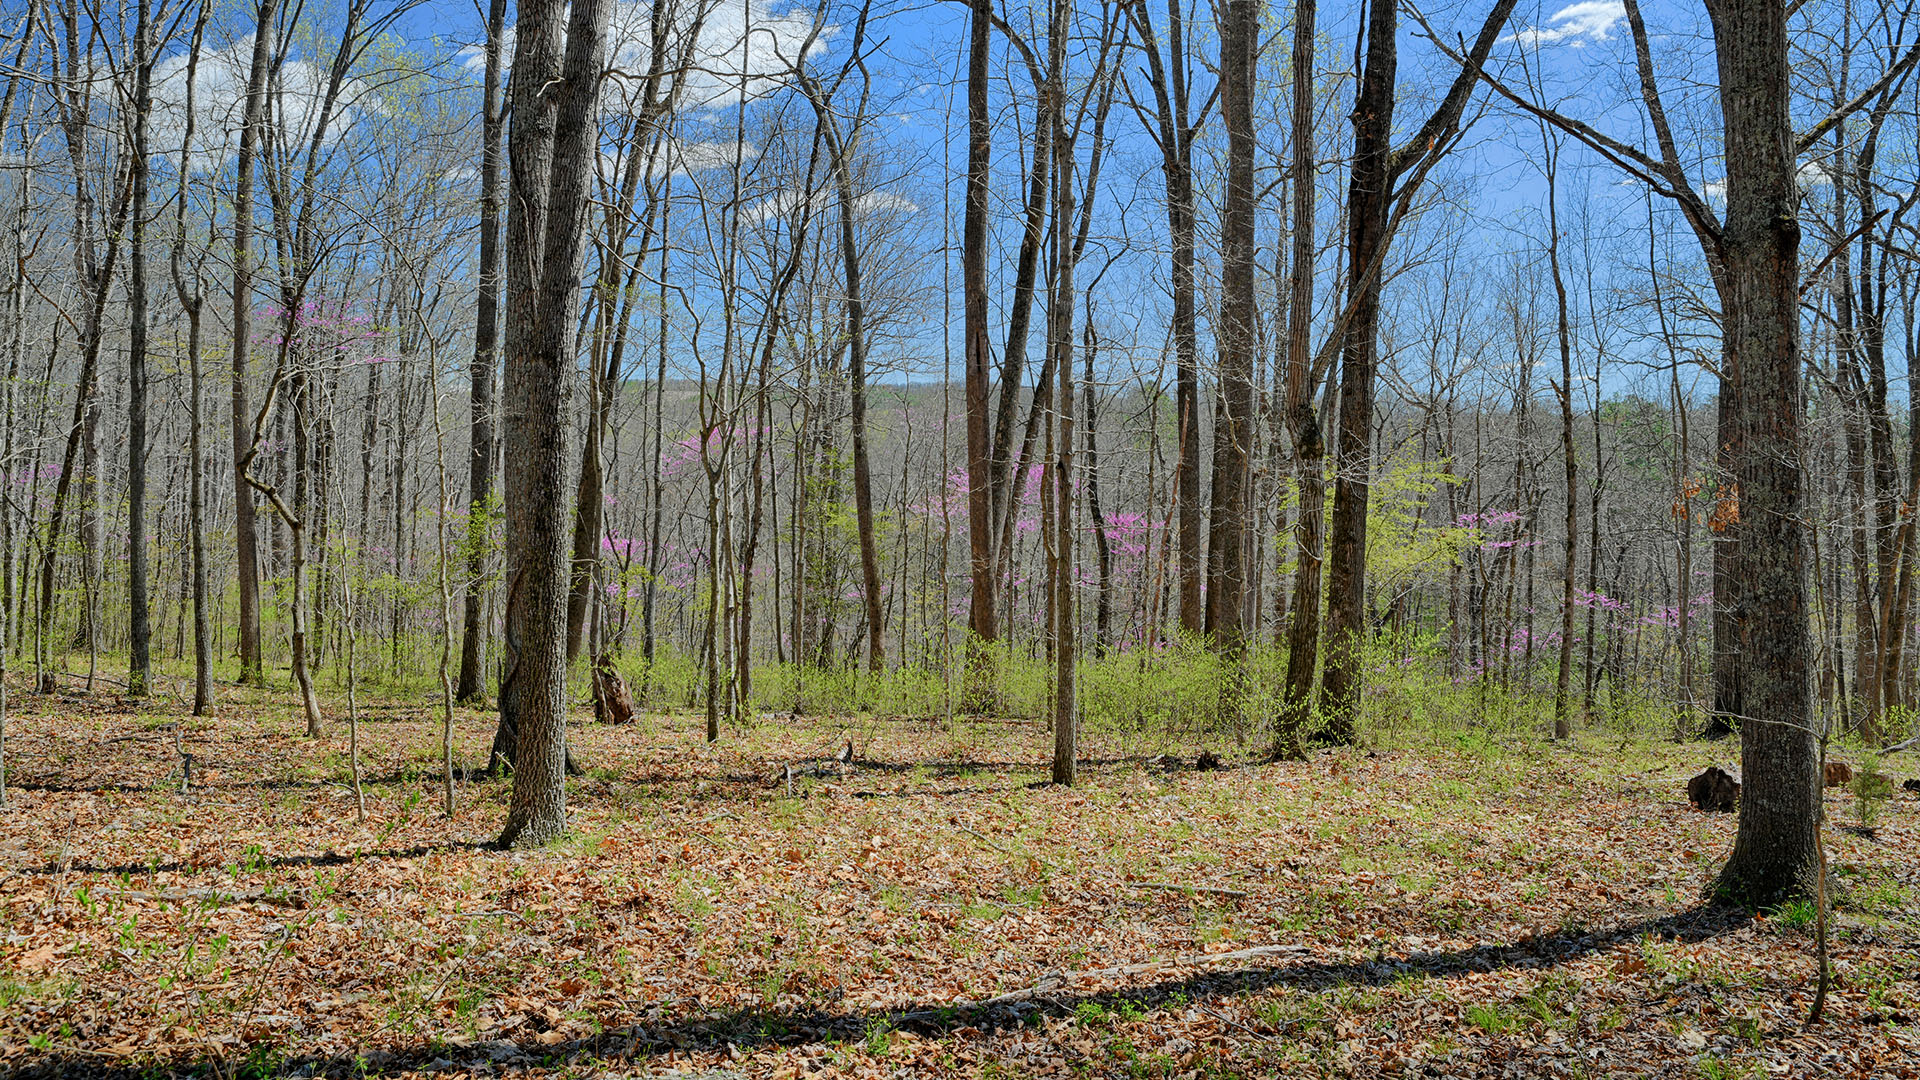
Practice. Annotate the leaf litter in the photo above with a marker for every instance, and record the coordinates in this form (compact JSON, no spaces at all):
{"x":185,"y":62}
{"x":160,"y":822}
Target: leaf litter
{"x":929,"y":908}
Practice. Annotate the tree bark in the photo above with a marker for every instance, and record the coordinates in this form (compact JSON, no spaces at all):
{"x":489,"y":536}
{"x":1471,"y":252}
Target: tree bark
{"x":983,"y":624}
{"x":550,"y":155}
{"x":1066,"y":716}
{"x":1237,"y":339}
{"x":486,"y":335}
{"x":1775,"y":852}
{"x":192,"y":303}
{"x":1367,"y":206}
{"x":247,"y":566}
{"x":1376,"y":167}
{"x":1175,"y":131}
{"x":139,"y":628}
{"x":1303,"y":422}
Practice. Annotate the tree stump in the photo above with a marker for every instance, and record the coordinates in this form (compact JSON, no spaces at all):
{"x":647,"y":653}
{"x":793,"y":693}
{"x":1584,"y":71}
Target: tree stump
{"x":1714,"y":791}
{"x":611,"y":698}
{"x":1839,"y":774}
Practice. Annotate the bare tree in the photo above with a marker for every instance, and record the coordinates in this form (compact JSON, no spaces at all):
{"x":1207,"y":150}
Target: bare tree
{"x":252,"y":121}
{"x":1381,"y":177}
{"x":486,"y":335}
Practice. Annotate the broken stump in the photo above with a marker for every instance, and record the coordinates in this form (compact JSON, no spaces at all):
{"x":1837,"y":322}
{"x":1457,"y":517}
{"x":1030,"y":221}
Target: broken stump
{"x":1839,"y":774}
{"x":1714,"y":791}
{"x":611,"y":697}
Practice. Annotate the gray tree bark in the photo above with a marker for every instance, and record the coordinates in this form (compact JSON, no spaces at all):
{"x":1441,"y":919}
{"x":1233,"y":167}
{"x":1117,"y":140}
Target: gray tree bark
{"x":550,"y":162}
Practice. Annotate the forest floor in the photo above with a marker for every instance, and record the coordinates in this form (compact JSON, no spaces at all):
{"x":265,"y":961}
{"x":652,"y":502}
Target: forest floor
{"x":1441,"y":906}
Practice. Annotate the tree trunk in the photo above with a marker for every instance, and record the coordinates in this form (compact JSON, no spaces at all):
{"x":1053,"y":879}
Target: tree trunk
{"x":1066,"y":717}
{"x":247,"y":566}
{"x":1775,"y":852}
{"x":982,"y":621}
{"x":1367,"y":206}
{"x":1237,"y":337}
{"x":485,"y":362}
{"x":192,"y":302}
{"x":1376,"y":167}
{"x":139,"y":629}
{"x":1309,"y":448}
{"x":550,"y":155}
{"x":1562,"y":697}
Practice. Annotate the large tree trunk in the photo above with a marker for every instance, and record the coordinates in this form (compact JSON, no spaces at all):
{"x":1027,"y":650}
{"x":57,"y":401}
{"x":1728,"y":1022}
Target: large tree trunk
{"x":1367,"y":207}
{"x":486,"y":333}
{"x":1775,"y":853}
{"x":550,"y":154}
{"x":1233,"y":435}
{"x":1371,"y":195}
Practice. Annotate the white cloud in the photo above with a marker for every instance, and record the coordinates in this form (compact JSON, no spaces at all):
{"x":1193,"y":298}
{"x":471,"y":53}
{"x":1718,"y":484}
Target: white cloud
{"x":1810,"y":175}
{"x":786,"y":202}
{"x":219,"y":103}
{"x":744,"y":49}
{"x":1588,"y":20}
{"x":682,"y":157}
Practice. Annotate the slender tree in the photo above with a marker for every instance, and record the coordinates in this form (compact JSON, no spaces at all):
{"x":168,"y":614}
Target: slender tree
{"x":983,"y":622}
{"x":252,"y":121}
{"x":1381,"y":176}
{"x":1303,"y":420}
{"x":486,"y":336}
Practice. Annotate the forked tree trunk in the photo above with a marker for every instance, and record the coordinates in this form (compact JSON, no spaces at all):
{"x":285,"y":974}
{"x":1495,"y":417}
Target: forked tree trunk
{"x":1371,"y":195}
{"x":1367,"y":206}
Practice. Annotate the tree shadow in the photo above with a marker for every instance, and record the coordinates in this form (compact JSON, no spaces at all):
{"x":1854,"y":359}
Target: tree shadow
{"x":754,"y":1028}
{"x":324,"y":858}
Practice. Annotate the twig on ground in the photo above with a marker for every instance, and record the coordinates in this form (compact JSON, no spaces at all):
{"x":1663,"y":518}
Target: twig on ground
{"x":1168,"y":886}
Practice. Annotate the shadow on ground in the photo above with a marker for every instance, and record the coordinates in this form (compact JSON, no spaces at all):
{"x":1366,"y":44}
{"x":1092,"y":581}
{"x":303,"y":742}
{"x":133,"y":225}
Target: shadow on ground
{"x":752,"y":1029}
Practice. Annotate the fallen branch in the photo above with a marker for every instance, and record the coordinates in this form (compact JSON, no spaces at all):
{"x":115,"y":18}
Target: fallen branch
{"x":1167,"y":886}
{"x":1055,"y":982}
{"x":221,"y":897}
